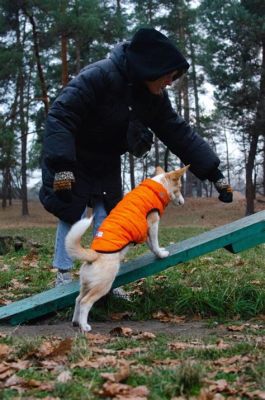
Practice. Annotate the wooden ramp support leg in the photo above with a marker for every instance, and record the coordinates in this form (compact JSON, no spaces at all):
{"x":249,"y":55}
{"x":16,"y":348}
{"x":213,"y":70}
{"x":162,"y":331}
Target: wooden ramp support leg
{"x":235,"y":237}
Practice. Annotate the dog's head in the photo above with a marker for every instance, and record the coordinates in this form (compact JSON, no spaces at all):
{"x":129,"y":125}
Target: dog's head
{"x":172,"y":182}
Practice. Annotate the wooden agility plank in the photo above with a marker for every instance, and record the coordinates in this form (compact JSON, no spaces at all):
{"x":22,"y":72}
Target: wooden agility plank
{"x":235,"y":237}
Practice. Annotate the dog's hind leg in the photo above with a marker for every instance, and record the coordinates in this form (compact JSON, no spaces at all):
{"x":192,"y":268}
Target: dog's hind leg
{"x":100,"y":282}
{"x":152,"y":236}
{"x":88,"y":300}
{"x":84,"y":289}
{"x":76,"y":316}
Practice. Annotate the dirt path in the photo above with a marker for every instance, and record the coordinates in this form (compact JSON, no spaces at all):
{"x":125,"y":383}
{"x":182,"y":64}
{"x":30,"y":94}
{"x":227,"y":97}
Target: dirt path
{"x":193,"y":329}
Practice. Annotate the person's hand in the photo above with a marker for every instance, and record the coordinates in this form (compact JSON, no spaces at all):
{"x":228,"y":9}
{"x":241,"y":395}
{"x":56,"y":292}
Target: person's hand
{"x":62,"y":185}
{"x":225,"y":190}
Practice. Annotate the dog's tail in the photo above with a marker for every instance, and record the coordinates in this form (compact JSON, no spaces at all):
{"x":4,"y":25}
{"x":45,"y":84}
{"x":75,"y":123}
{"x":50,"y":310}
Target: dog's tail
{"x":73,"y":242}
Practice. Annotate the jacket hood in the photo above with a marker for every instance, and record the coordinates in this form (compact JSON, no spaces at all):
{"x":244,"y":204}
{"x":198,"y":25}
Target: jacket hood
{"x":150,"y":55}
{"x":118,"y":56}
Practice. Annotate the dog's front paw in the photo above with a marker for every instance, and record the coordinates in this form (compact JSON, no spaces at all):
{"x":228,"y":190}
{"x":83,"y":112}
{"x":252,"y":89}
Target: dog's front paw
{"x":85,"y":328}
{"x":162,"y":253}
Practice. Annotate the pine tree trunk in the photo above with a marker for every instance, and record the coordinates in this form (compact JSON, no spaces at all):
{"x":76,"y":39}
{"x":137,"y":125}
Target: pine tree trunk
{"x":64,"y":43}
{"x":22,"y":121}
{"x":9,"y":190}
{"x":263,"y":164}
{"x":77,"y":56}
{"x":156,"y":152}
{"x":23,"y":130}
{"x":132,"y":177}
{"x":43,"y":86}
{"x":24,"y":192}
{"x":197,"y":181}
{"x":124,"y":162}
{"x":259,"y":127}
{"x":227,"y":158}
{"x":145,"y":168}
{"x":189,"y":176}
{"x":4,"y":189}
{"x":166,"y":159}
{"x":250,"y":190}
{"x":195,"y":86}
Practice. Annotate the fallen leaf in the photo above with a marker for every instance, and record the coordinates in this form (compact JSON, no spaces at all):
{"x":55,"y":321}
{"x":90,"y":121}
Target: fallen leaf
{"x":178,"y":398}
{"x":98,"y":350}
{"x":161,"y":278}
{"x":46,"y":349}
{"x":205,"y":394}
{"x":123,"y":392}
{"x":221,"y":345}
{"x":142,"y":369}
{"x":4,"y":350}
{"x":17,"y":382}
{"x":218,"y":386}
{"x":164,"y":316}
{"x":55,"y":349}
{"x":8,"y":369}
{"x":230,"y":360}
{"x":121,"y":316}
{"x":5,"y":372}
{"x":146,"y":336}
{"x":49,"y":364}
{"x":256,"y":282}
{"x":111,"y":389}
{"x":16,"y":284}
{"x":130,"y":352}
{"x":121,"y":331}
{"x":134,"y":292}
{"x":14,"y":380}
{"x":49,"y":398}
{"x":99,"y":362}
{"x":64,"y":376}
{"x":20,"y":365}
{"x":257,"y":394}
{"x":30,"y":260}
{"x":118,"y":376}
{"x":64,"y":347}
{"x":197,"y":344}
{"x":169,"y":362}
{"x":97,"y":338}
{"x":4,"y":302}
{"x":236,"y":328}
{"x":178,"y":346}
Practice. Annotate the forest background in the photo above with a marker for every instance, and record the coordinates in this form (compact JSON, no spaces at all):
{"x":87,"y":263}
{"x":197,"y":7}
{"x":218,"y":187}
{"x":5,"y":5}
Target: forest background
{"x":45,"y":43}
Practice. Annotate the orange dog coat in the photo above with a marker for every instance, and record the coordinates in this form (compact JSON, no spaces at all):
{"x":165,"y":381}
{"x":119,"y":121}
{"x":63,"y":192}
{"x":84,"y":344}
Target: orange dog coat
{"x":127,"y":221}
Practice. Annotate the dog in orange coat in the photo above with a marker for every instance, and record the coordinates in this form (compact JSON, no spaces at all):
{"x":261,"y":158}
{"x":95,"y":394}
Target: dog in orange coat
{"x":135,"y":219}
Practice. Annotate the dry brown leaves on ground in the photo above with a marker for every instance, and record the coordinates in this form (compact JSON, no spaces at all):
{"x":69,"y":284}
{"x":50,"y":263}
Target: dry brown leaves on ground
{"x":164,"y":316}
{"x":52,"y":357}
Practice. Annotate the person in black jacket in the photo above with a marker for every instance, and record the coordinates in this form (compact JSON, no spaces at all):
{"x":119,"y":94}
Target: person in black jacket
{"x":105,"y":111}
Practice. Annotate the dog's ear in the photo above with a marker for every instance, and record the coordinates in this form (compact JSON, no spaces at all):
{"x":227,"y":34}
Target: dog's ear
{"x":182,"y":171}
{"x":159,"y":170}
{"x":179,"y":172}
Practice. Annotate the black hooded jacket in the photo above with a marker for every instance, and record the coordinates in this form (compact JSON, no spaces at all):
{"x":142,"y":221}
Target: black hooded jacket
{"x":86,"y":132}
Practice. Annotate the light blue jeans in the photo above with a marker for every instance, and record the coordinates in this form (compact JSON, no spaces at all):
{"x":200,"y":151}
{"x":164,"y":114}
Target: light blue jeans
{"x":61,"y":259}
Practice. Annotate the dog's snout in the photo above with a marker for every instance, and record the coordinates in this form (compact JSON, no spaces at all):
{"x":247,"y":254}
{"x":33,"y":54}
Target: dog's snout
{"x":179,"y":200}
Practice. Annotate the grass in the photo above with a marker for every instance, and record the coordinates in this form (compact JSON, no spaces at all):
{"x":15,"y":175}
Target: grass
{"x":218,"y":285}
{"x":164,"y":371}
